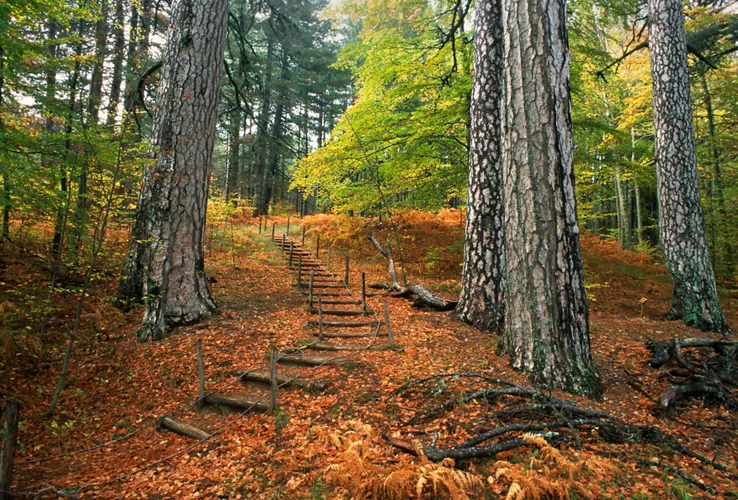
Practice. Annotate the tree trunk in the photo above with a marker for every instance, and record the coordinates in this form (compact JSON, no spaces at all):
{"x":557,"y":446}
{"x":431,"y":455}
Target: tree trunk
{"x":233,"y":160}
{"x":276,"y":139}
{"x":117,"y":78}
{"x":96,"y":80}
{"x":173,"y":202}
{"x":481,"y":300}
{"x":546,"y":316}
{"x":682,"y":225}
{"x":637,"y":189}
{"x":262,"y":134}
{"x":716,"y":182}
{"x":132,"y":65}
{"x":623,"y":213}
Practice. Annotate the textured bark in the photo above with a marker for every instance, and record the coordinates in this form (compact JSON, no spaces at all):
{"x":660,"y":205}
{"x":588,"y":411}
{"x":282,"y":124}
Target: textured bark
{"x":682,"y":225}
{"x":481,"y":299}
{"x":173,"y":202}
{"x":117,"y":78}
{"x":546,"y":331}
{"x":132,"y":65}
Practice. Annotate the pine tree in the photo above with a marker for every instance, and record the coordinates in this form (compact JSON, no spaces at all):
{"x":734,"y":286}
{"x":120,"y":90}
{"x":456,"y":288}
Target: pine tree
{"x":681,"y":222}
{"x":481,"y":301}
{"x":546,"y":330}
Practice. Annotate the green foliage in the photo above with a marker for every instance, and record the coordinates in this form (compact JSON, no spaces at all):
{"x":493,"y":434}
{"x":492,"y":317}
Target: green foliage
{"x":403,"y":142}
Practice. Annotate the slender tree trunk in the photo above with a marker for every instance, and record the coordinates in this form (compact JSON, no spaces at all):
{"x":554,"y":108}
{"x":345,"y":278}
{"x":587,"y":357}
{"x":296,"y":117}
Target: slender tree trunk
{"x":71,"y":112}
{"x":132,"y":65}
{"x":623,"y":213}
{"x":262,"y":134}
{"x":96,"y":80}
{"x":272,"y":168}
{"x":481,"y":300}
{"x":5,"y":225}
{"x":118,"y":52}
{"x":637,"y":189}
{"x":233,"y":160}
{"x":716,"y":181}
{"x":173,"y":202}
{"x":546,"y":316}
{"x":682,"y":225}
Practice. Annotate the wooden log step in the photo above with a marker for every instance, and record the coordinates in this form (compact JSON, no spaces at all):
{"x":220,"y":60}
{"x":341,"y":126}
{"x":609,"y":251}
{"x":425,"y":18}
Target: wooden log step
{"x":339,"y":312}
{"x":324,"y":346}
{"x":347,"y":324}
{"x":337,"y":302}
{"x":329,"y":294}
{"x":181,"y":428}
{"x":292,"y":359}
{"x":350,"y":335}
{"x":239,"y":402}
{"x":283,"y":381}
{"x":322,"y":285}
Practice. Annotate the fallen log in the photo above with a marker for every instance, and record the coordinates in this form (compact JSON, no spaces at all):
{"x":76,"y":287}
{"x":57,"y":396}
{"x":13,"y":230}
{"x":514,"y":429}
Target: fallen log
{"x":423,"y":296}
{"x":181,"y":428}
{"x":282,"y":381}
{"x":666,"y":350}
{"x":676,"y":393}
{"x":238,"y":402}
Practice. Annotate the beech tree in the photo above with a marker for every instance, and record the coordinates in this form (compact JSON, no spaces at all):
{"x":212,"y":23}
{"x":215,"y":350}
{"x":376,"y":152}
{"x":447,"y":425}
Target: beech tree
{"x":167,"y":263}
{"x":681,"y":222}
{"x":481,"y":300}
{"x":546,"y":331}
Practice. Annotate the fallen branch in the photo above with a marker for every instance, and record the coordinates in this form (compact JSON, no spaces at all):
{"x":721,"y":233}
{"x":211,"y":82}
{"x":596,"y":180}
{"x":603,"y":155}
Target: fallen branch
{"x":423,"y":296}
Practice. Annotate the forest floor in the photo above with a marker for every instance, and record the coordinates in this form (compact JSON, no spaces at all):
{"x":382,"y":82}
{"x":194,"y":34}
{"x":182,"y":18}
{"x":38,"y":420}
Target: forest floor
{"x":118,"y":387}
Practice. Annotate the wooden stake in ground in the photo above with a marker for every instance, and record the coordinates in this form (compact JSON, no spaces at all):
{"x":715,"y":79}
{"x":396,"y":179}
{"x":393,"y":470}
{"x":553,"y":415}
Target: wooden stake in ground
{"x":320,"y":318}
{"x":328,"y":260}
{"x":310,"y":287}
{"x":200,"y":375}
{"x":260,"y":224}
{"x":303,"y":236}
{"x":283,"y":243}
{"x":292,"y":249}
{"x":317,"y":248}
{"x":363,"y":292}
{"x":346,"y":274}
{"x":390,"y":333}
{"x":288,"y":225}
{"x":274,"y":225}
{"x":10,"y":436}
{"x":273,"y":376}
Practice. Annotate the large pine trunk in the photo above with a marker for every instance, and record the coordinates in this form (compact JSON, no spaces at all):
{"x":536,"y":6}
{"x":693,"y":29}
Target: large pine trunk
{"x":546,"y":331}
{"x":262,"y":135}
{"x":481,"y":299}
{"x":682,"y":224}
{"x":173,"y":202}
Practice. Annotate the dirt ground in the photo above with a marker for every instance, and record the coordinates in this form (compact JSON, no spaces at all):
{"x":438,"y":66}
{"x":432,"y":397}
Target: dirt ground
{"x":118,"y":387}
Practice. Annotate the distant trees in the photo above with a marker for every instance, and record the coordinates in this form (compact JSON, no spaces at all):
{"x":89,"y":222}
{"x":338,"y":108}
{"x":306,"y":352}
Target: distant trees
{"x":681,"y":223}
{"x":546,"y":330}
{"x":167,"y":254}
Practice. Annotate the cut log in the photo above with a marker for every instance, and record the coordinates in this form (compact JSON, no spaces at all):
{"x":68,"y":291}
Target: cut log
{"x":290,"y":359}
{"x":283,"y":381}
{"x":347,"y":324}
{"x":181,"y":428}
{"x":239,"y":402}
{"x":339,"y":312}
{"x":323,"y":346}
{"x":350,"y":335}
